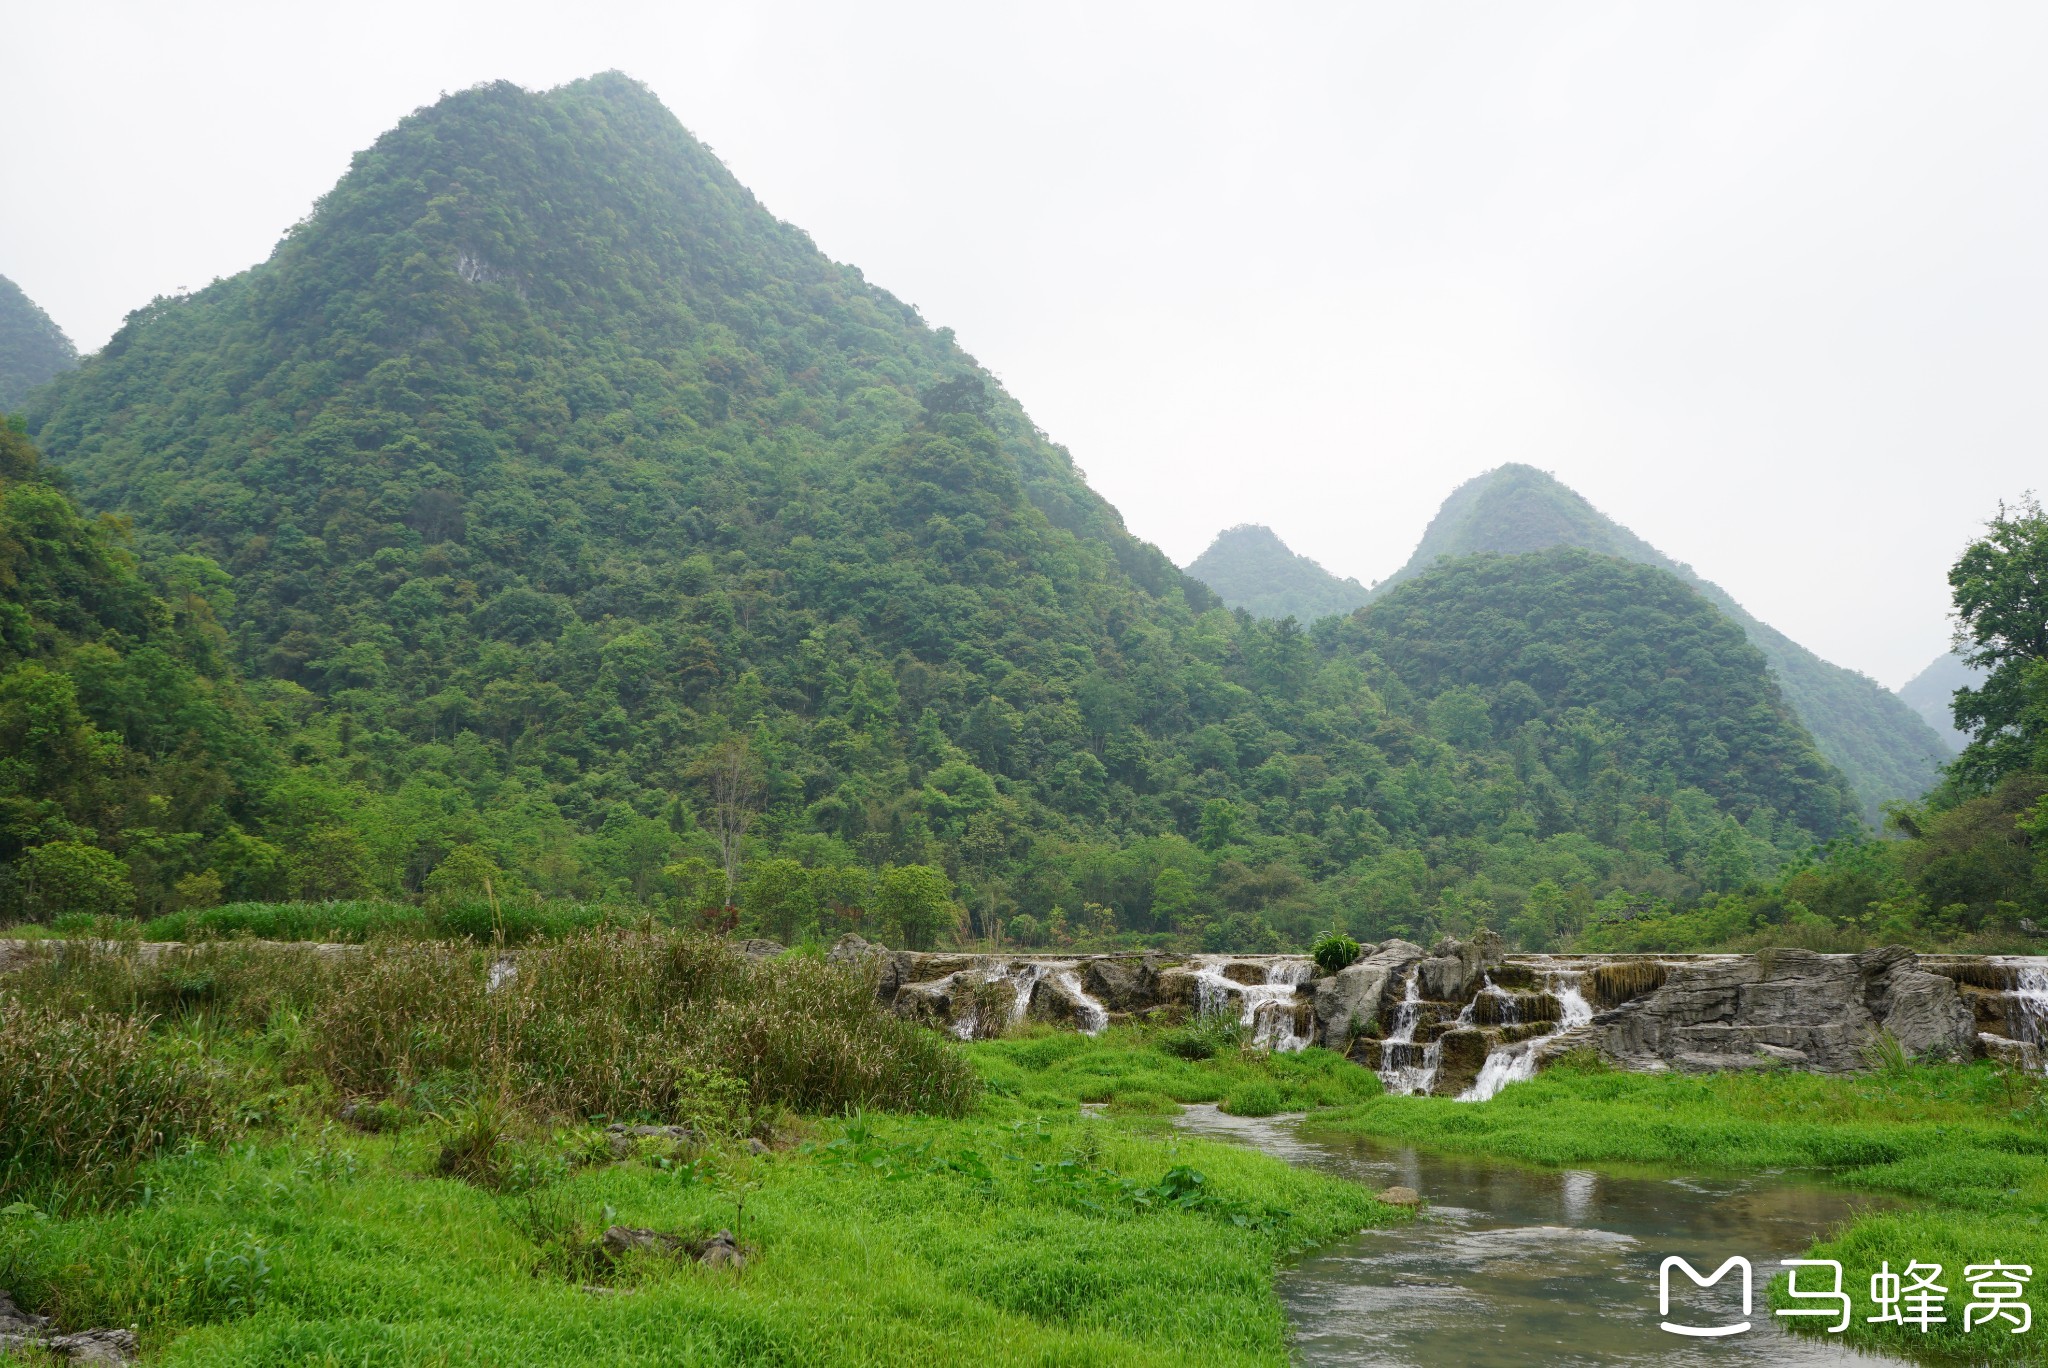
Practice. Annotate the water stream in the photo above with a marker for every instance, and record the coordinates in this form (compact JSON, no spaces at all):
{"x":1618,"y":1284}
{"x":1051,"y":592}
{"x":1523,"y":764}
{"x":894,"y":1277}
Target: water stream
{"x":1267,"y":1009}
{"x":1511,"y":1266}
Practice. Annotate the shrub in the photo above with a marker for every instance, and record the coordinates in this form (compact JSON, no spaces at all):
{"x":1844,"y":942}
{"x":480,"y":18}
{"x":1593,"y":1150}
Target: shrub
{"x":1254,"y":1098}
{"x":85,"y":1098}
{"x":70,"y":876}
{"x":628,"y":1023}
{"x":1334,"y":953}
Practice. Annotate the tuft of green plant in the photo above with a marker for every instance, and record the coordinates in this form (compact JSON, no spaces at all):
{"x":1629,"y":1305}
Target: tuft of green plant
{"x":1334,"y":953}
{"x":85,"y":1098}
{"x":1205,"y":1037}
{"x":1887,"y":1055}
{"x":1255,"y":1097}
{"x":229,"y":1281}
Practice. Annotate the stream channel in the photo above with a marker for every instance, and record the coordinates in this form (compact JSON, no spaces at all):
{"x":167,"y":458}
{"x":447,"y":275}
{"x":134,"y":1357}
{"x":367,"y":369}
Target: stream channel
{"x":1511,"y":1265}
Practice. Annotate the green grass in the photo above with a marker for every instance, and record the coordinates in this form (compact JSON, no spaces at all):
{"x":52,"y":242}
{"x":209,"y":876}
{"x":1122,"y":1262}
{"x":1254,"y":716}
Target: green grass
{"x":1139,"y":1070}
{"x":1000,"y":1225}
{"x":1969,"y":1143}
{"x":372,"y":1259}
{"x":356,"y":922}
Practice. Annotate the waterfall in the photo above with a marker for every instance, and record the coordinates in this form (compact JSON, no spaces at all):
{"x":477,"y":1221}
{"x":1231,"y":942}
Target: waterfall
{"x":2026,"y":1012}
{"x":1090,"y":1016}
{"x":1405,"y":1069}
{"x":1024,"y":976}
{"x":1266,"y":1008}
{"x":2029,"y":1015}
{"x":1516,"y":1063}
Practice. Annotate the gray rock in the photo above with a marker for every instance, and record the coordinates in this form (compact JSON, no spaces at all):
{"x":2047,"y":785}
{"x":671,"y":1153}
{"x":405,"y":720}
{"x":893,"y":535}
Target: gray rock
{"x":1355,"y":992}
{"x":1453,"y":973}
{"x":716,"y":1251}
{"x":1401,"y":1197}
{"x":1785,"y":1008}
{"x":758,"y":949}
{"x":2014,"y":1054}
{"x":96,"y":1346}
{"x":1054,"y":1001}
{"x":624,"y":1139}
{"x":1118,"y":984}
{"x":721,"y":1251}
{"x":1925,"y":1013}
{"x":21,"y":1331}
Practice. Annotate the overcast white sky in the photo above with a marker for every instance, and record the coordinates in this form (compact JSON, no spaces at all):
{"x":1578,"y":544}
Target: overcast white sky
{"x":1764,"y":282}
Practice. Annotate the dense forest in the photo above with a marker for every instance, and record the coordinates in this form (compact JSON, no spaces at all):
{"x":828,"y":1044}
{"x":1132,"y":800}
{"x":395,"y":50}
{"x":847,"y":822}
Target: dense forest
{"x":546,"y":521}
{"x":32,"y":347}
{"x":1888,"y":752}
{"x":1249,"y":567}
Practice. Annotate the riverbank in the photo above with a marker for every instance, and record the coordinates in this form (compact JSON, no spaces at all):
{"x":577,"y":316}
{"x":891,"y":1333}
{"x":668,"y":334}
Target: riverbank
{"x":1969,"y":1143}
{"x":409,"y":1159}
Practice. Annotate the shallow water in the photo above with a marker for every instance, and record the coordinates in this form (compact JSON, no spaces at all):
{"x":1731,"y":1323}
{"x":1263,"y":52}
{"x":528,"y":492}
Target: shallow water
{"x":1511,"y":1265}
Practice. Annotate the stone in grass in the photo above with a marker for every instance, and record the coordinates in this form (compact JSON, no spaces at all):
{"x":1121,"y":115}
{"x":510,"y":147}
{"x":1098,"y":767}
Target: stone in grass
{"x":718,"y":1251}
{"x":624,"y":1139}
{"x":19,"y":1331}
{"x":1401,"y":1197}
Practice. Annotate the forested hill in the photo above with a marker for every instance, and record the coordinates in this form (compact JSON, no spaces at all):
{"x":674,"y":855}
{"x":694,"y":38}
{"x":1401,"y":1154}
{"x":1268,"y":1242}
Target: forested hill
{"x":1931,"y":693}
{"x":1249,"y":567}
{"x":1563,"y":656}
{"x":581,"y":514}
{"x":32,"y":347}
{"x":1884,"y":747}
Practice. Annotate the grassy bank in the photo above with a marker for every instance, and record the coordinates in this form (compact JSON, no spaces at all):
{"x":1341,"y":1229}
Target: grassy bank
{"x":386,"y":1160}
{"x":1969,"y":1143}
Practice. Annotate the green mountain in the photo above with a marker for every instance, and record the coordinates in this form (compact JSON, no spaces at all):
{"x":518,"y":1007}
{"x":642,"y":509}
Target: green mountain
{"x":32,"y":347}
{"x":121,"y":726}
{"x":1547,"y":651}
{"x":581,"y":514}
{"x":1887,"y":751}
{"x":1251,"y":568}
{"x":1932,"y":692}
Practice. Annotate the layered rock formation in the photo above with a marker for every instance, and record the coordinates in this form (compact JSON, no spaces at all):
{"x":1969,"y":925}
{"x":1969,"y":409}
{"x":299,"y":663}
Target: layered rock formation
{"x":1466,"y":1019}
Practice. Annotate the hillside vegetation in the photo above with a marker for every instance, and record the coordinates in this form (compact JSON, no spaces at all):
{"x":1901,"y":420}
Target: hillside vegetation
{"x":1249,"y":567}
{"x":1886,"y":750}
{"x":593,"y":538}
{"x":32,"y":347}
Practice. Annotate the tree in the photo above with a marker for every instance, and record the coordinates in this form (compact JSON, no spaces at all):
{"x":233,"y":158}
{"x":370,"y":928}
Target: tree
{"x":732,"y":780}
{"x":779,"y":899}
{"x":1219,"y":825}
{"x":2000,"y":589}
{"x":70,"y":876}
{"x":916,"y":903}
{"x":469,"y":874}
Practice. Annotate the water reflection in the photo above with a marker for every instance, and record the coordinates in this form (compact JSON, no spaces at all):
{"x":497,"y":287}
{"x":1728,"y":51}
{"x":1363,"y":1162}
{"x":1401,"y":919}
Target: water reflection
{"x":1516,"y":1266}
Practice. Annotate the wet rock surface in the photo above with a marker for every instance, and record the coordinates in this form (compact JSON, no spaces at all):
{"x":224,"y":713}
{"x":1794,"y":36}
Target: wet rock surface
{"x":21,"y":1331}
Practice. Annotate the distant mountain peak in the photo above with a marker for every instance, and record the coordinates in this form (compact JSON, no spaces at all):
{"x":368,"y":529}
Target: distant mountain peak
{"x":1249,"y":567}
{"x":33,"y":348}
{"x":1885,"y":747}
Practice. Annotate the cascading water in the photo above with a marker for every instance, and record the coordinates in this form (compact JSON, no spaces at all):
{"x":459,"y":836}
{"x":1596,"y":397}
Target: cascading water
{"x":1407,"y":1069}
{"x":2029,"y":1013}
{"x":1267,"y":1008}
{"x":1090,"y":1016}
{"x":1516,"y":1063}
{"x":1024,"y":977}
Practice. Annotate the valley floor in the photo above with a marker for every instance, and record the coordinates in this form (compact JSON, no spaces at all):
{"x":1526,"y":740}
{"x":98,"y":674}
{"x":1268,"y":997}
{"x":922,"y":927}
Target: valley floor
{"x":1061,"y":1221}
{"x":1027,"y":1232}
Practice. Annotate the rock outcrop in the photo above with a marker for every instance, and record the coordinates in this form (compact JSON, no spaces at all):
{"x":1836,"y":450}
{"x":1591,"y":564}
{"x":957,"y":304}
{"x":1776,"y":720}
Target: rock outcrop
{"x":1825,"y":1013}
{"x":21,"y":1332}
{"x":1349,"y":1002}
